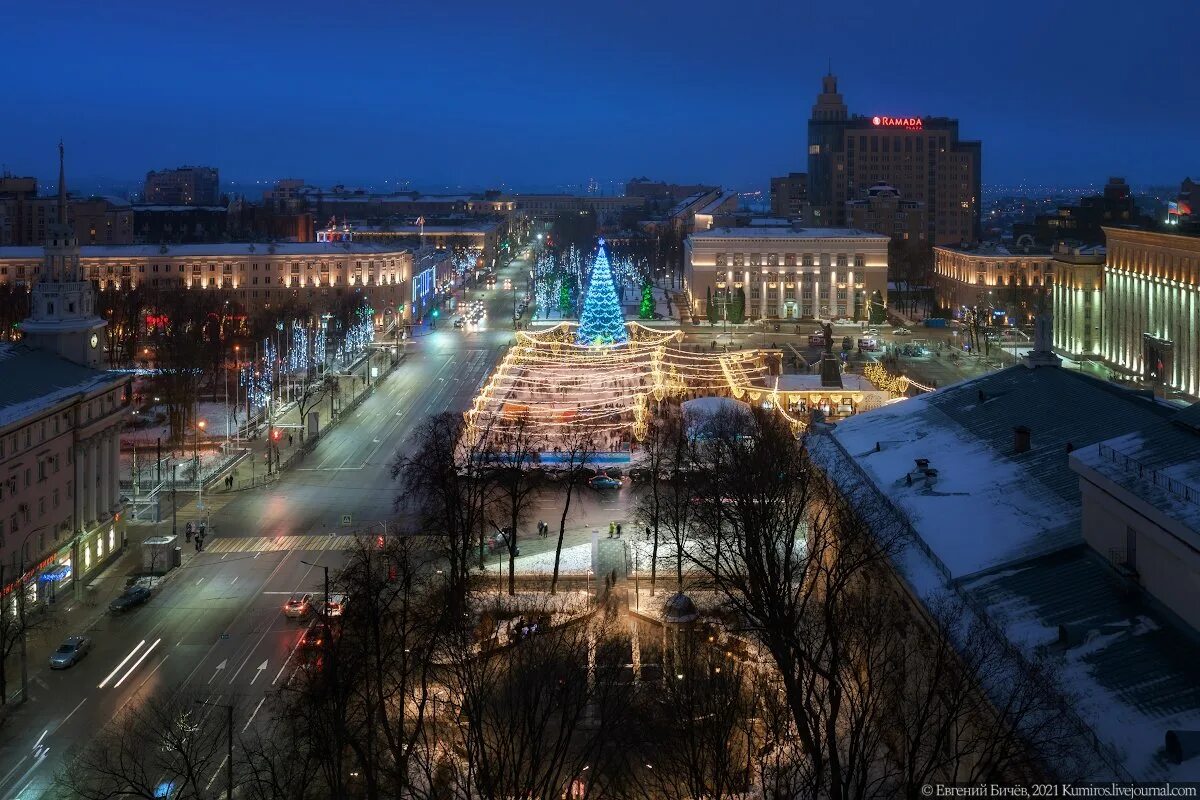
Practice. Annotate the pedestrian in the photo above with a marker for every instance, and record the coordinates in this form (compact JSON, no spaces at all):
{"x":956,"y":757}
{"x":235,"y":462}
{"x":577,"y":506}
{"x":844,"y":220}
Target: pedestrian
{"x":289,"y":440}
{"x":618,"y":530}
{"x":187,"y":532}
{"x":197,"y":544}
{"x":612,"y":528}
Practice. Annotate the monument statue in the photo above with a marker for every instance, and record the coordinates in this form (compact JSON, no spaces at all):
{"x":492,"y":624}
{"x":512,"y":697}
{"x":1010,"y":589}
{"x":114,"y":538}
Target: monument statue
{"x":828,"y":331}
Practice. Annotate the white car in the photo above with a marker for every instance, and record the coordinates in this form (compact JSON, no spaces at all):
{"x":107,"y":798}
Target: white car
{"x":901,"y":332}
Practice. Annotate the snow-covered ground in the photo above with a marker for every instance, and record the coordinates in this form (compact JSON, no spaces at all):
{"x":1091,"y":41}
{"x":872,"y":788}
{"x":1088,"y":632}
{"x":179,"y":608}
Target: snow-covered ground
{"x":217,"y":418}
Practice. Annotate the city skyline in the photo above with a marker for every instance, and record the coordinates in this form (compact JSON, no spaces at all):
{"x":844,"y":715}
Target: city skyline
{"x":531,"y":100}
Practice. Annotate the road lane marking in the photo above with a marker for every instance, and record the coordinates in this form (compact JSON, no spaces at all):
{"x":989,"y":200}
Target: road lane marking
{"x":217,"y":672}
{"x":216,"y":774}
{"x":198,"y":581}
{"x":4,"y":780}
{"x":259,"y":672}
{"x":283,"y":666}
{"x":117,"y":669}
{"x":68,"y":716}
{"x":137,"y":663}
{"x":235,"y":577}
{"x":253,"y":715}
{"x":39,"y":741}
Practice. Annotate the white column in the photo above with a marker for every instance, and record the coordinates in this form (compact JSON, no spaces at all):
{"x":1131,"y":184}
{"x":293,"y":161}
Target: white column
{"x":87,"y":484}
{"x":107,"y":476}
{"x":94,"y":477}
{"x":114,"y":466}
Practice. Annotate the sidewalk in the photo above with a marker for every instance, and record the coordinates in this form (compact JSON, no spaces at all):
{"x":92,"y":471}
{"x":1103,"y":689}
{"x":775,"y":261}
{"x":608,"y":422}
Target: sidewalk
{"x":68,"y":616}
{"x":292,"y":432}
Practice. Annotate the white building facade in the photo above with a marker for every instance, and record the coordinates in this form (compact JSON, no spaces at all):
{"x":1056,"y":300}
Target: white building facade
{"x":788,"y":273}
{"x":1151,"y":320}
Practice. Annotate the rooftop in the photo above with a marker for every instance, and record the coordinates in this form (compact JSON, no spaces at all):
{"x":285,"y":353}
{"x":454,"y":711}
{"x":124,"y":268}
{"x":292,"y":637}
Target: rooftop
{"x":259,"y":249}
{"x":1001,"y":530}
{"x":760,"y":232}
{"x":1001,"y":249}
{"x":45,"y":380}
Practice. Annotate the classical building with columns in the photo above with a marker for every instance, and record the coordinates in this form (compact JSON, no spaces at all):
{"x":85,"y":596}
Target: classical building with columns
{"x":1150,"y":326}
{"x":788,"y":273}
{"x":60,"y":420}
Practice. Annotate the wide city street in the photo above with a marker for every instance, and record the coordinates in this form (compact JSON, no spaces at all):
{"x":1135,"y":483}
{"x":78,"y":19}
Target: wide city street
{"x":215,"y":628}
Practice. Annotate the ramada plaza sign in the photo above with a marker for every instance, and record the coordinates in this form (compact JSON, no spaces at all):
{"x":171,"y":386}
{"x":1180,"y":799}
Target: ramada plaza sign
{"x":911,"y":123}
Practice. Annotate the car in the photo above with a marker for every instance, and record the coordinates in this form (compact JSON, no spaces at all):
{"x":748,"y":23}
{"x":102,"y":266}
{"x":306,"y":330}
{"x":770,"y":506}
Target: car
{"x":132,"y":597}
{"x":498,"y":542}
{"x":70,"y":652}
{"x":460,"y":322}
{"x":336,"y":606}
{"x":317,"y":635}
{"x":901,"y":332}
{"x":298,"y":605}
{"x":871,"y":332}
{"x":605,"y":481}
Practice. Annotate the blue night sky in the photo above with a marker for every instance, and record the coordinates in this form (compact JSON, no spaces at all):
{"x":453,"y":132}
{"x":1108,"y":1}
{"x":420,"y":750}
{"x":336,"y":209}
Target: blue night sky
{"x":536,"y":93}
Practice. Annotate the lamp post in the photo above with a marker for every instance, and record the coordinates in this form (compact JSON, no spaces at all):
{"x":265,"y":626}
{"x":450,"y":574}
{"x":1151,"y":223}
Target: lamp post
{"x":228,"y":744}
{"x":321,"y":566}
{"x":200,"y":425}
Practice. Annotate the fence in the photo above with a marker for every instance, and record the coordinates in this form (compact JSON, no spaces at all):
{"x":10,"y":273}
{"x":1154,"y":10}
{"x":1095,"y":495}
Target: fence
{"x":1184,"y":491}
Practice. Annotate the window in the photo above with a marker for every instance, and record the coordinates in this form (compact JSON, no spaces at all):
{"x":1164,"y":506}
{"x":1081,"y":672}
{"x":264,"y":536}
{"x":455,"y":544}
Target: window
{"x":755,"y":291}
{"x":842,"y":261}
{"x":860,"y":260}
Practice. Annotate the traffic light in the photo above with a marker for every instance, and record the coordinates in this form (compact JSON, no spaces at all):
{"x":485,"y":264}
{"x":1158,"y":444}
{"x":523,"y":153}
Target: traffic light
{"x":277,"y":434}
{"x":436,"y":313}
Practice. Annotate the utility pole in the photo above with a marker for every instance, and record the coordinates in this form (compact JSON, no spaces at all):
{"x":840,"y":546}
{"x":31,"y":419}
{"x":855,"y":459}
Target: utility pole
{"x":321,"y":566}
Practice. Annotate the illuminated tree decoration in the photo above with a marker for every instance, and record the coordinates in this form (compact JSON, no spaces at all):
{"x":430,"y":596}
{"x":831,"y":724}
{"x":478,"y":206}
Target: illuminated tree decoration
{"x":646,"y":309}
{"x":601,"y":322}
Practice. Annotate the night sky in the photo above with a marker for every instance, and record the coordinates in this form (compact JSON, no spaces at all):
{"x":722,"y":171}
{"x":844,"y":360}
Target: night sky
{"x":479,"y":93}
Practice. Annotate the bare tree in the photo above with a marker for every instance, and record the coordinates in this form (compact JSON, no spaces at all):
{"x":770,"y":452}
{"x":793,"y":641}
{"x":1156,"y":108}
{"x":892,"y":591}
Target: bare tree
{"x":695,"y":732}
{"x":664,"y":448}
{"x":445,"y":486}
{"x":180,"y":355}
{"x":17,"y":621}
{"x":515,"y":479}
{"x":154,"y":742}
{"x":578,"y":447}
{"x":538,"y":715}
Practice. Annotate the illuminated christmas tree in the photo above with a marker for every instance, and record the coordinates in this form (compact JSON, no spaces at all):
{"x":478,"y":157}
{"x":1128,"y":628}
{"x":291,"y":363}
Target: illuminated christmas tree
{"x":601,"y":321}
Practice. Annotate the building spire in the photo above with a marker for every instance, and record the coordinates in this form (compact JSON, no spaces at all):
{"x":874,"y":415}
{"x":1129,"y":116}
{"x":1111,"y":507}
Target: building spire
{"x":62,"y":186}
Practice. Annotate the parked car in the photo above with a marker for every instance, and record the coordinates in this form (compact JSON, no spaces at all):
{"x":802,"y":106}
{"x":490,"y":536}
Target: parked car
{"x":132,"y":597}
{"x":298,"y":605}
{"x":604,"y":481}
{"x":70,"y":652}
{"x":901,"y":332}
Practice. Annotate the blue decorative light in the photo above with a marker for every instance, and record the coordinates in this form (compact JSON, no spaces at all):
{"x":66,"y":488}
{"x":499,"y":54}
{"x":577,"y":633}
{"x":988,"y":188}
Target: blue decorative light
{"x":601,"y":322}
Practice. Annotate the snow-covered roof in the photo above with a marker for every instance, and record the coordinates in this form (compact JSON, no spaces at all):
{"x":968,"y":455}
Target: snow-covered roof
{"x":788,"y":233}
{"x":792,"y":382}
{"x":37,"y":380}
{"x":998,"y":531}
{"x":258,"y":249}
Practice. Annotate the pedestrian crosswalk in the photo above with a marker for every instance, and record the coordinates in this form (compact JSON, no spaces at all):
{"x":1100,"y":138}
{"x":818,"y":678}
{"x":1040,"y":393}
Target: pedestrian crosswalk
{"x":268,"y":544}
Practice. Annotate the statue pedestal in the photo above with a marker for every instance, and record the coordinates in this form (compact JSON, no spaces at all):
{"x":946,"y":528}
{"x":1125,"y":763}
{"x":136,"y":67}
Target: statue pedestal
{"x":831,"y":372}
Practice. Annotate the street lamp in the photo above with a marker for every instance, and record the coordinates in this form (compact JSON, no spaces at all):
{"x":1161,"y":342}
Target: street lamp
{"x":200,"y":425}
{"x":229,"y":745}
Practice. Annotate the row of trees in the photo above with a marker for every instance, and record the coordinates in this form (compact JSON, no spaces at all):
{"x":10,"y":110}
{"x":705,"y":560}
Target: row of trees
{"x":813,"y":676}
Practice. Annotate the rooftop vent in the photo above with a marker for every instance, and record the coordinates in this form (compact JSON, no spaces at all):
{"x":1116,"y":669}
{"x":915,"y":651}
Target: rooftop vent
{"x":1021,"y":439}
{"x":1182,"y":745}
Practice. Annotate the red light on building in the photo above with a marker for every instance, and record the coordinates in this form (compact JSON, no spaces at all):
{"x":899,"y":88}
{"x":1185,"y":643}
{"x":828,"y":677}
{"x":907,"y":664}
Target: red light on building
{"x":156,"y":321}
{"x":909,"y":123}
